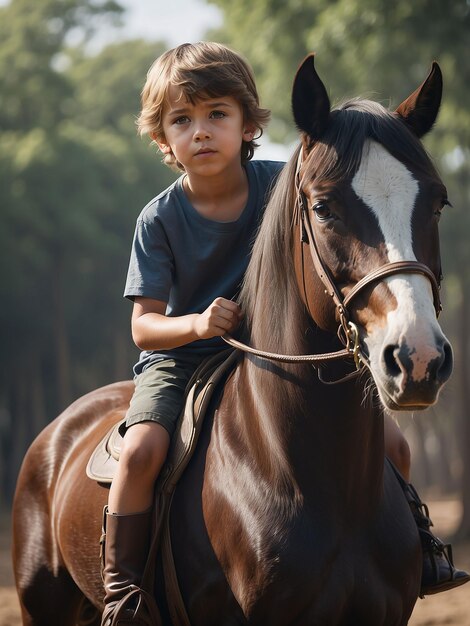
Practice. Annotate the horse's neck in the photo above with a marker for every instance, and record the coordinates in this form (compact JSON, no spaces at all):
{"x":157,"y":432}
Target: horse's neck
{"x":312,"y":438}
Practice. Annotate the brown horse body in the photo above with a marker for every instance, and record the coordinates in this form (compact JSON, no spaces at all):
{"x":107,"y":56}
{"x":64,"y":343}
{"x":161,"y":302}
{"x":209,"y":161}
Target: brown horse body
{"x":287,"y":514}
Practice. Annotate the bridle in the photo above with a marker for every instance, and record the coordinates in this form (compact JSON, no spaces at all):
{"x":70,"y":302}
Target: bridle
{"x":347,"y":331}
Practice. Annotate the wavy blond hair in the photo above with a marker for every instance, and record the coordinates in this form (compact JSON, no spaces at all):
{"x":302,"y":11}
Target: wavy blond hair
{"x":201,"y":70}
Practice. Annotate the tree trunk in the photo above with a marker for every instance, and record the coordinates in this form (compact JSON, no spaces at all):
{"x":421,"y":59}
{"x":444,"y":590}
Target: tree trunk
{"x":38,"y":404}
{"x":122,"y":364}
{"x":21,"y":436}
{"x":5,"y":448}
{"x":421,"y":472}
{"x":64,"y":395}
{"x":444,"y":475}
{"x":464,"y":388}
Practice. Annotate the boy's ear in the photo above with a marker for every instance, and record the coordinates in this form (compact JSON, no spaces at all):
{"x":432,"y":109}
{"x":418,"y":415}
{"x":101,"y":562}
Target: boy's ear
{"x":249,"y":131}
{"x":161,"y":143}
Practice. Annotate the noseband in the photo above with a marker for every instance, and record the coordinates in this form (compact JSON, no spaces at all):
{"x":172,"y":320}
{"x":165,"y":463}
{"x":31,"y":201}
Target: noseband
{"x":347,"y":331}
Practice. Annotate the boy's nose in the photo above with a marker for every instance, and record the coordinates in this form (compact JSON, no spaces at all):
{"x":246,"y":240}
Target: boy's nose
{"x":201,"y":133}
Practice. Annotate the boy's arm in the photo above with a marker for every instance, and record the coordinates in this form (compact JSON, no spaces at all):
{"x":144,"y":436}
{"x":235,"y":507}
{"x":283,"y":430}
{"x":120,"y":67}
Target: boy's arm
{"x":153,"y":330}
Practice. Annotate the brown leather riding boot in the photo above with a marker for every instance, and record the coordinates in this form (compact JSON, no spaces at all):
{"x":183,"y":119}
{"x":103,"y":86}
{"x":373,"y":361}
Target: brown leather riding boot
{"x":125,"y":545}
{"x":439,"y":573}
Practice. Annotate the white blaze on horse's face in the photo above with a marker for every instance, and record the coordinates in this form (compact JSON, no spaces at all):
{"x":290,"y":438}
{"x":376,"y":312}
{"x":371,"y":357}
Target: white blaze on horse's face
{"x":407,"y":350}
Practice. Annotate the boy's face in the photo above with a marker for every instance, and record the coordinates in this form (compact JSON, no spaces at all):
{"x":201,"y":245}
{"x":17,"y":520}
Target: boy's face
{"x":205,"y":137}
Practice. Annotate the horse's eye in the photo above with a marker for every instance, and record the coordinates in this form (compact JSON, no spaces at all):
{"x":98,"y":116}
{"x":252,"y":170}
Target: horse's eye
{"x":322,"y":211}
{"x":444,"y":202}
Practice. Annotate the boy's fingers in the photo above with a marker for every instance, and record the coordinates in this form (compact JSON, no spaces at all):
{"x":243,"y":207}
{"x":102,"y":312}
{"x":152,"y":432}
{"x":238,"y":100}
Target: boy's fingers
{"x":230,"y":305}
{"x":226,"y":315}
{"x":223,"y":312}
{"x":225,"y":323}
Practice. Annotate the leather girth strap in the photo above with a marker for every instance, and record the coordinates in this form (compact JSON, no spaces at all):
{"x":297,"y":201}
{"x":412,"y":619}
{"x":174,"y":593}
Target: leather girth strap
{"x":201,"y":390}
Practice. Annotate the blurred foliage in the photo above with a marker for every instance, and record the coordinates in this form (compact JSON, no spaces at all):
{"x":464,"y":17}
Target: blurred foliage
{"x":73,"y":177}
{"x":383,"y":50}
{"x":373,"y":48}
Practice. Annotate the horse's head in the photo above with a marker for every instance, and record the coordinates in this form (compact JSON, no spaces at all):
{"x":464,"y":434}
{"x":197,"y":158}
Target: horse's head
{"x":372,"y":201}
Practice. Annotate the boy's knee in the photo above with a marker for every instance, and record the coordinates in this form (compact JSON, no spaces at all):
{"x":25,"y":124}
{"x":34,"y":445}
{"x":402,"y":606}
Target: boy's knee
{"x":404,"y":457}
{"x":144,"y":450}
{"x":400,"y":455}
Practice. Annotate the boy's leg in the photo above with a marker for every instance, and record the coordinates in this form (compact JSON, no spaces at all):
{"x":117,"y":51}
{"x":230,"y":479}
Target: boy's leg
{"x":154,"y":410}
{"x":144,"y":450}
{"x":439,"y":573}
{"x":128,"y":519}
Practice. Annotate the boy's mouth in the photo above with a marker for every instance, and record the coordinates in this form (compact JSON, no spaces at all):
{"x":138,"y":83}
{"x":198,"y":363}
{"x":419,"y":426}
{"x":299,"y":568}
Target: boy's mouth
{"x":205,"y":151}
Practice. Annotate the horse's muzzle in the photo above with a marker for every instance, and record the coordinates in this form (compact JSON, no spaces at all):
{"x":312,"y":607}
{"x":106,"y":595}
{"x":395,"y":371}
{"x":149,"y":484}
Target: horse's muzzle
{"x":410,"y":378}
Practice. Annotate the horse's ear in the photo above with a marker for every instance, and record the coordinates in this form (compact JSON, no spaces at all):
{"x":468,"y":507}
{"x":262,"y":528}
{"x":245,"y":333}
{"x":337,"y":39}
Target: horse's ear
{"x":310,"y":102}
{"x":419,"y":111}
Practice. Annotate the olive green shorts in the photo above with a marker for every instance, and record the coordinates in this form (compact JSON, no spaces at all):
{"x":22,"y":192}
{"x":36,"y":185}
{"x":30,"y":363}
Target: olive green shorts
{"x":159,"y":393}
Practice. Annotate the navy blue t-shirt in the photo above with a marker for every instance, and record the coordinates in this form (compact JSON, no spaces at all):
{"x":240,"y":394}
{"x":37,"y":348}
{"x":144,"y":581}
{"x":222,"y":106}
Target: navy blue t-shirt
{"x":182,"y":258}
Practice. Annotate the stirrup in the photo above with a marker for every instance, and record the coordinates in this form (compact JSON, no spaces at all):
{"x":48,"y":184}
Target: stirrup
{"x":136,"y":607}
{"x":441,"y":574}
{"x":419,"y":509}
{"x":436,"y":547}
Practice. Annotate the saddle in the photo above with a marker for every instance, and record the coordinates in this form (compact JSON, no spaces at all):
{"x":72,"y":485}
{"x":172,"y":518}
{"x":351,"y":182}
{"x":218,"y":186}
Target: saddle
{"x":103,"y":463}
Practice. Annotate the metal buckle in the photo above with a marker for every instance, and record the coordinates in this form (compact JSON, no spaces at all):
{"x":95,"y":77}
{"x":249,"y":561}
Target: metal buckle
{"x":353,"y":345}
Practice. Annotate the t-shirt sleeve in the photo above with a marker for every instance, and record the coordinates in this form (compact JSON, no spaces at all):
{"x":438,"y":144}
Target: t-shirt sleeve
{"x":151,"y":263}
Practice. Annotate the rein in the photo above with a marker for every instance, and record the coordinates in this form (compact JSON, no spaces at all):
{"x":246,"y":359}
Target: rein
{"x":347,"y":332}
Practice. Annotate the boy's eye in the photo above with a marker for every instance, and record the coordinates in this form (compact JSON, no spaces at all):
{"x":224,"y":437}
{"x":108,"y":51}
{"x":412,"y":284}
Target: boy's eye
{"x":181,"y":120}
{"x":217,"y":114}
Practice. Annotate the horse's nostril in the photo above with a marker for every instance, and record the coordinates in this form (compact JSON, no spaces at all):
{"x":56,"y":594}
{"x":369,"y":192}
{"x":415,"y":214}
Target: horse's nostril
{"x":447,"y":362}
{"x":390,"y":361}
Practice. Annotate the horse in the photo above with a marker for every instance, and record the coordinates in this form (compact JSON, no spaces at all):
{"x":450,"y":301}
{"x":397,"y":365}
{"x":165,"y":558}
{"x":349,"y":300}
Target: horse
{"x":288,"y":513}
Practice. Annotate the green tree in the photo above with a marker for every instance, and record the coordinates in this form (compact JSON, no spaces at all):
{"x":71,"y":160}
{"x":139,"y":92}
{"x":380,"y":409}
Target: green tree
{"x":73,"y":178}
{"x":383,"y":50}
{"x":34,"y":36}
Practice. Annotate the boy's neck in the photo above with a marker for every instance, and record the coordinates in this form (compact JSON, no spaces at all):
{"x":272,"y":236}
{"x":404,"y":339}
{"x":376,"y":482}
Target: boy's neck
{"x":220,"y":198}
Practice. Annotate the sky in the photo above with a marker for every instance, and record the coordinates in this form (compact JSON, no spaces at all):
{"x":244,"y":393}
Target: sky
{"x":176,"y":22}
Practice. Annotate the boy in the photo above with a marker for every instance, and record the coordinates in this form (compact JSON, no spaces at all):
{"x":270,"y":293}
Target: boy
{"x":190,"y":251}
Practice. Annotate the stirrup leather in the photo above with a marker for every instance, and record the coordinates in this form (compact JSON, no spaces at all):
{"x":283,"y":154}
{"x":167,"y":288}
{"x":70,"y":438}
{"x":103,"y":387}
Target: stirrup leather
{"x":137,"y":607}
{"x":419,"y":509}
{"x":437,"y":548}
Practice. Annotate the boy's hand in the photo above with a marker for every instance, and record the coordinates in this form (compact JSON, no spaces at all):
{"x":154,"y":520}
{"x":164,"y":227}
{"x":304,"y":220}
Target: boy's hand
{"x":222,"y":316}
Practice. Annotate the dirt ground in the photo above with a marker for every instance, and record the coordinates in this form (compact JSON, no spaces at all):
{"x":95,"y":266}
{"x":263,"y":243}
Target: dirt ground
{"x":444,"y":609}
